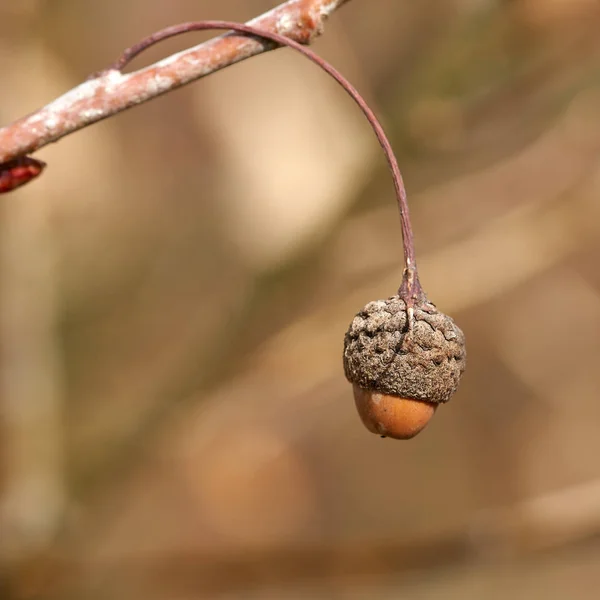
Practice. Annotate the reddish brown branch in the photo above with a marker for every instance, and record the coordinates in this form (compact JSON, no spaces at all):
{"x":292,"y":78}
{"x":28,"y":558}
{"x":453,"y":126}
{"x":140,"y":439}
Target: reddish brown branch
{"x":112,"y":91}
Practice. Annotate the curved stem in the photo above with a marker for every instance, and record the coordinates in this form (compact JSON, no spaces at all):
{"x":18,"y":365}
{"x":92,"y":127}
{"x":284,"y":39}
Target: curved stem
{"x":410,"y":289}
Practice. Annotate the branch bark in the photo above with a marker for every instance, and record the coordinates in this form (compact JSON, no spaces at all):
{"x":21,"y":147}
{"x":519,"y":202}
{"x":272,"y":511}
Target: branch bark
{"x":111,"y":91}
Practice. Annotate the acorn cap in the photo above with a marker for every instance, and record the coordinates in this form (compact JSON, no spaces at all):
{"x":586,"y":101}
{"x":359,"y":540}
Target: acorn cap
{"x":422,"y":362}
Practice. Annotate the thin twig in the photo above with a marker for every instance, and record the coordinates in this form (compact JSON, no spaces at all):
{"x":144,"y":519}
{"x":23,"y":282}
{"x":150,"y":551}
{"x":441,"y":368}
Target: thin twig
{"x":112,"y":92}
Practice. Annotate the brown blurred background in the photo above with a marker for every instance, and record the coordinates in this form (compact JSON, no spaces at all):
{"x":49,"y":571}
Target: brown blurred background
{"x":174,"y":292}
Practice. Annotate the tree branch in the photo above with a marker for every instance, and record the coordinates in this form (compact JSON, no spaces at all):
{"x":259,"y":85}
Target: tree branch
{"x":111,"y":91}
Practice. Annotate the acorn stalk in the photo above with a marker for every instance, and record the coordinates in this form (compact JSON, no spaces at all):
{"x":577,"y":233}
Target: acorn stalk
{"x":403,"y":357}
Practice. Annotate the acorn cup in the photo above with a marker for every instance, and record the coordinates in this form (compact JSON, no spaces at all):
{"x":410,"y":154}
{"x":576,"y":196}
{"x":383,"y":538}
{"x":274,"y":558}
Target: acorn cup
{"x":402,"y":363}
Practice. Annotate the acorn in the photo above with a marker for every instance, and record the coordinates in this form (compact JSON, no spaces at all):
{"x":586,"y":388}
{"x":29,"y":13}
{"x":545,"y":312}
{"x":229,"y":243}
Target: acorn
{"x":403,"y":362}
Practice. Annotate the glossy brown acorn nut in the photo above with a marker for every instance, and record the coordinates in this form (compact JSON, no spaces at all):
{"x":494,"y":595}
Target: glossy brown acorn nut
{"x":391,"y":416}
{"x":401,"y":373}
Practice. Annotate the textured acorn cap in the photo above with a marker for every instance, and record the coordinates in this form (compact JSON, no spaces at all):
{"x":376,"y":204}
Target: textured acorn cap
{"x":382,"y":355}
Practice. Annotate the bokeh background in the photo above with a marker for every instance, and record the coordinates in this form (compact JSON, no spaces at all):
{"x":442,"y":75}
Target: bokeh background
{"x":175,"y":289}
